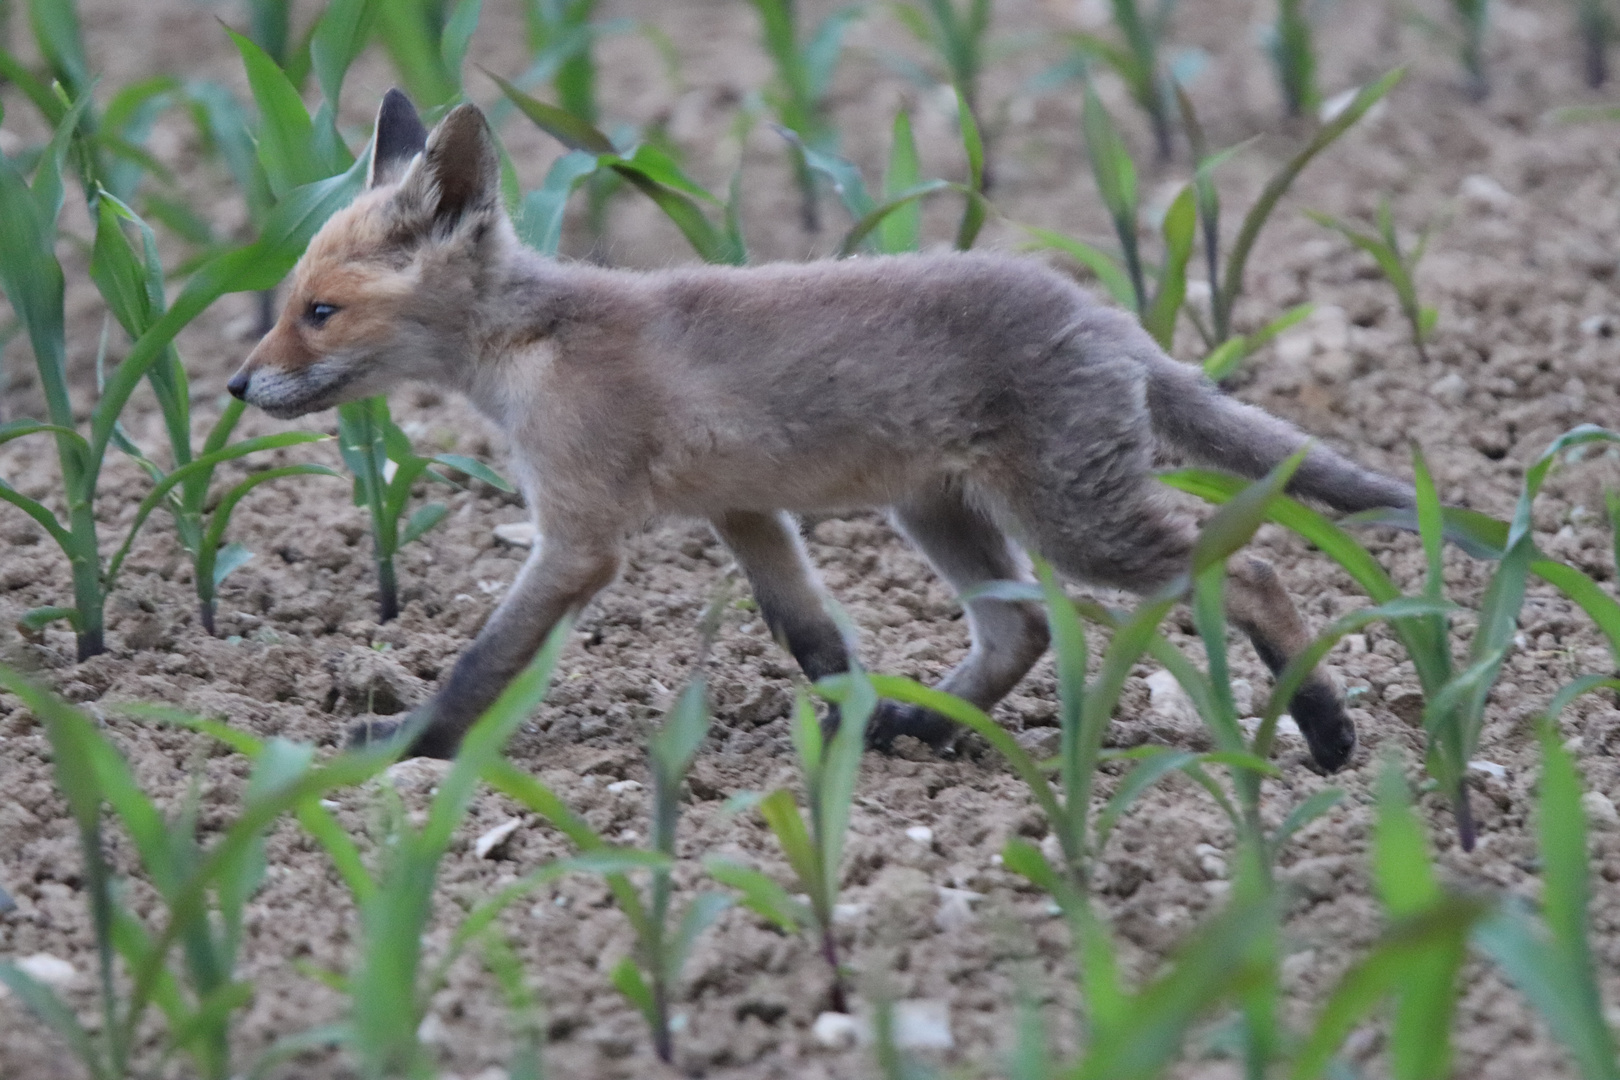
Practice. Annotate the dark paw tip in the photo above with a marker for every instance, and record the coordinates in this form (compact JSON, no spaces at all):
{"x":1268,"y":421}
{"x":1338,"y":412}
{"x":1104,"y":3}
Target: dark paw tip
{"x":891,"y":720}
{"x":1328,"y":729}
{"x":372,"y":733}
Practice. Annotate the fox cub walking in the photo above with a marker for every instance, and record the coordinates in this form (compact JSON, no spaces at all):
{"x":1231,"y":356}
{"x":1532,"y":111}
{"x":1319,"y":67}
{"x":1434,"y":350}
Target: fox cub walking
{"x":977,"y":397}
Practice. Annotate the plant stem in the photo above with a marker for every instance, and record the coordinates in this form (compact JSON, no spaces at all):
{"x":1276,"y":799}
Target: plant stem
{"x":205,"y":616}
{"x":829,"y":952}
{"x":89,"y":597}
{"x":387,"y":589}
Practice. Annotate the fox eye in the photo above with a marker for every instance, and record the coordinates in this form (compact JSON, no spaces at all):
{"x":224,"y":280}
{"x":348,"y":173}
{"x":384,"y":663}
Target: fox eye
{"x":318,"y":314}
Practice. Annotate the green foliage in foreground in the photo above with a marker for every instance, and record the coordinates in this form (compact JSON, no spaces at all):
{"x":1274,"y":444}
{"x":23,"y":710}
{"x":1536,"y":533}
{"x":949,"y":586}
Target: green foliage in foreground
{"x":183,"y":959}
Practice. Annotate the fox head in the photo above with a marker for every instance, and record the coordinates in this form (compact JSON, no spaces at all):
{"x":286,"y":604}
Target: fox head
{"x":389,"y":287}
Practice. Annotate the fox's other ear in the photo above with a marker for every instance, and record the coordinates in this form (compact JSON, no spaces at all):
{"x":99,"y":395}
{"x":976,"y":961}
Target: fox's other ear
{"x":459,"y":174}
{"x":400,"y":136}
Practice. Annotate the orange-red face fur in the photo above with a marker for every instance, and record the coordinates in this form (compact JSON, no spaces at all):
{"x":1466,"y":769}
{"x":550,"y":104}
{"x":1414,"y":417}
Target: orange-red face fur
{"x":362,"y":269}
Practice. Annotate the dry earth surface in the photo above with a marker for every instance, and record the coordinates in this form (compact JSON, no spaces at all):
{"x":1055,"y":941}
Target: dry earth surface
{"x":1523,"y":269}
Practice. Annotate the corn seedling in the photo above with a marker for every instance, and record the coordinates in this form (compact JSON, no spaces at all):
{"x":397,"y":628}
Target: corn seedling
{"x":203,"y":890}
{"x":1228,"y":349}
{"x":1397,"y":266}
{"x":647,"y":168}
{"x":1472,"y":17}
{"x":893,"y":225}
{"x":1138,"y":62}
{"x":385,"y":469}
{"x":648,"y":978}
{"x":1454,"y":713}
{"x":830,"y":766}
{"x":133,"y":287}
{"x":1549,"y":957}
{"x":427,"y":41}
{"x":1415,"y":963}
{"x":33,"y":282}
{"x":1124,"y":276}
{"x":804,"y":73}
{"x":293,"y":146}
{"x":390,"y":987}
{"x":1293,"y":54}
{"x":959,"y":39}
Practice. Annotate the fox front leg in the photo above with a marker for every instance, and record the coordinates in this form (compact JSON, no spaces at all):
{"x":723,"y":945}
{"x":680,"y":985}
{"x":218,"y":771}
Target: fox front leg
{"x":559,"y":579}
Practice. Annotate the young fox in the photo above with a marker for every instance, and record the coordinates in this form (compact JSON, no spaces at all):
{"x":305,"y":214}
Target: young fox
{"x":977,"y":397}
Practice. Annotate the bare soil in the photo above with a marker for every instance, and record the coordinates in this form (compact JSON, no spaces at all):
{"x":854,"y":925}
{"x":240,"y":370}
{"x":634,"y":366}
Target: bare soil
{"x":1522,"y":266}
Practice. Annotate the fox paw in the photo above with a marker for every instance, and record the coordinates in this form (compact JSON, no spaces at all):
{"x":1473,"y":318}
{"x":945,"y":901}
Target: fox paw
{"x":373,"y":732}
{"x":891,"y":719}
{"x":1328,"y":729}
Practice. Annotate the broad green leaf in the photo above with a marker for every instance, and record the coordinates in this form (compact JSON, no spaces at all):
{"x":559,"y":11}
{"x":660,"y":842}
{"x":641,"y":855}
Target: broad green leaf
{"x":900,"y":230}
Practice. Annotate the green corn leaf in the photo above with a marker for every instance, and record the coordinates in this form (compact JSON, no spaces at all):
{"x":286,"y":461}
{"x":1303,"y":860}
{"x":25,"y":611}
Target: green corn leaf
{"x":566,"y":128}
{"x":339,"y":36}
{"x":1160,"y":764}
{"x":1306,"y":812}
{"x":36,"y":619}
{"x":227,"y":560}
{"x":202,"y":465}
{"x":1180,"y":225}
{"x":425,"y":517}
{"x":781,"y":813}
{"x":1235,"y":523}
{"x":1105,"y":266}
{"x":404,"y":28}
{"x":863,"y":228}
{"x":973,"y":213}
{"x":896,"y":688}
{"x":626,"y":979}
{"x":475,"y":469}
{"x":1236,"y":260}
{"x":760,"y":894}
{"x":1441,"y":928}
{"x":55,"y":24}
{"x":821,"y":53}
{"x":1224,"y":359}
{"x":286,"y":135}
{"x":700,"y":914}
{"x":900,"y":230}
{"x":540,"y":224}
{"x":457,"y":36}
{"x":1214,"y":966}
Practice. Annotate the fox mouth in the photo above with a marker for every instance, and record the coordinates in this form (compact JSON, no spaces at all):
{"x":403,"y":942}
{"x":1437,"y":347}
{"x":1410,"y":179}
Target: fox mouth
{"x":287,"y":396}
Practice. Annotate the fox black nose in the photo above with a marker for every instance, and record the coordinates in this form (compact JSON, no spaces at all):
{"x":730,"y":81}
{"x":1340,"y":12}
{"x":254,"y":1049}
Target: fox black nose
{"x":238,"y":385}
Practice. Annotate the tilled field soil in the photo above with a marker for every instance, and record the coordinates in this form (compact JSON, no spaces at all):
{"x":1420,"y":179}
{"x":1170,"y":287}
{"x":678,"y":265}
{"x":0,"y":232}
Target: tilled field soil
{"x":1523,"y":268}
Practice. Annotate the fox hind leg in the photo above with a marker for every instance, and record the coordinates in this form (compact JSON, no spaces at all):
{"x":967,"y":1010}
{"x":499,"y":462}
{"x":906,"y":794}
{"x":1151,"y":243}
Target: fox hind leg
{"x":968,"y":550}
{"x":1135,"y":540}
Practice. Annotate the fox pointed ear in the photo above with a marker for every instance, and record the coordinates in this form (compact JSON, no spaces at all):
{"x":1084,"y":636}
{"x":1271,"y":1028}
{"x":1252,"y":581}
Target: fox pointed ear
{"x":400,"y":136}
{"x":460,"y":173}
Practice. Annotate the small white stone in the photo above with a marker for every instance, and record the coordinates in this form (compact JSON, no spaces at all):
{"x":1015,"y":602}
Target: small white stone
{"x":920,"y":834}
{"x":1600,"y":810}
{"x":1356,"y":643}
{"x":1488,"y":768}
{"x":1597,"y":326}
{"x":490,"y":843}
{"x":517,"y":533}
{"x":1485,"y":192}
{"x":922,"y":1024}
{"x":491,"y":587}
{"x":1052,"y":848}
{"x":844,"y":914}
{"x":51,"y":970}
{"x":1449,"y":389}
{"x":1211,"y":860}
{"x":619,"y":787}
{"x":955,"y":908}
{"x":330,"y":804}
{"x":430,"y":1030}
{"x":835,"y":1030}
